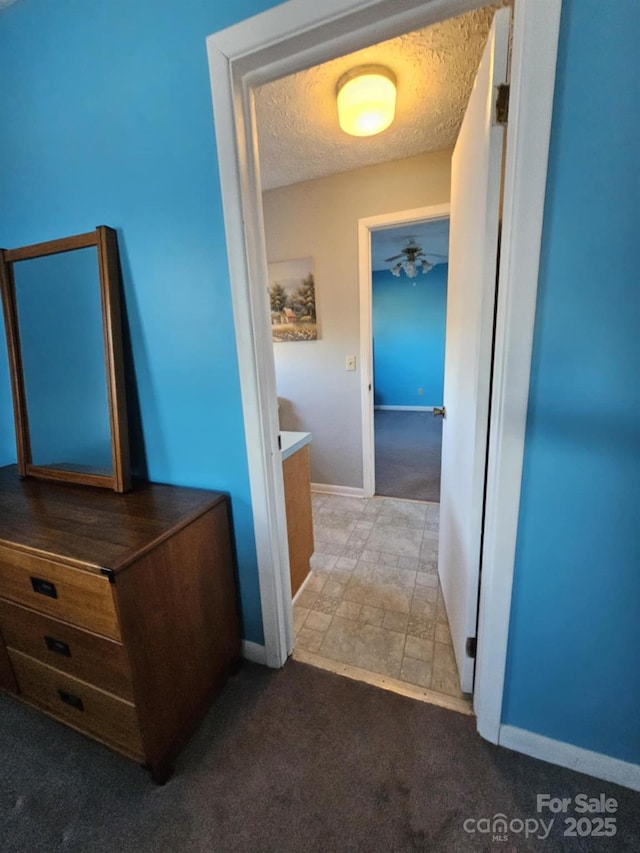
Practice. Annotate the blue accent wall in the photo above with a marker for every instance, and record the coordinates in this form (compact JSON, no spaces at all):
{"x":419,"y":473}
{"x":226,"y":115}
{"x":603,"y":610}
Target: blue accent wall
{"x":408,"y":337}
{"x":573,"y":669}
{"x":107,"y":120}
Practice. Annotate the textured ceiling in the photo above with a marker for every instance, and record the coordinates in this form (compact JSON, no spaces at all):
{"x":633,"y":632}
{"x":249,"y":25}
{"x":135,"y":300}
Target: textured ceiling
{"x":432,"y":236}
{"x":299,"y":134}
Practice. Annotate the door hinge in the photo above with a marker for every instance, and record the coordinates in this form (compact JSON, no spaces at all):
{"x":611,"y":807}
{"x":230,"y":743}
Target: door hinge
{"x":502,"y":104}
{"x":472,"y":644}
{"x":279,"y":442}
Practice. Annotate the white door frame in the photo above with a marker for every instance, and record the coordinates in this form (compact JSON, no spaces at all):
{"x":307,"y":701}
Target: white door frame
{"x":365,"y":226}
{"x":296,"y":35}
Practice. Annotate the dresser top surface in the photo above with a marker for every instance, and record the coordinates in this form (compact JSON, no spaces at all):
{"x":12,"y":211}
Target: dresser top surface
{"x":93,"y":527}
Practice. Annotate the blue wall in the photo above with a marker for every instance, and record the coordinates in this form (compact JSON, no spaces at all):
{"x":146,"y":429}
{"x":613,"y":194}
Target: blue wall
{"x":408,"y":337}
{"x":573,"y":669}
{"x":107,"y":120}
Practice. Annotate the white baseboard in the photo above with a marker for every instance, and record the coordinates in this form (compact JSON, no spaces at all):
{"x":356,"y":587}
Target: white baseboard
{"x":254,"y":652}
{"x":404,"y":408}
{"x":345,"y":491}
{"x":302,"y":586}
{"x":573,"y":757}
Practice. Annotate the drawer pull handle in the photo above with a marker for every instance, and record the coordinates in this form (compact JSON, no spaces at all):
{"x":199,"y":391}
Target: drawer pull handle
{"x":58,"y":646}
{"x":44,"y":587}
{"x":71,"y":699}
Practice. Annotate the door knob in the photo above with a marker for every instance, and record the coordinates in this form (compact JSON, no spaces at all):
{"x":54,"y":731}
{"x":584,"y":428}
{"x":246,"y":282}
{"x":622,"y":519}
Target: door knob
{"x":439,"y":412}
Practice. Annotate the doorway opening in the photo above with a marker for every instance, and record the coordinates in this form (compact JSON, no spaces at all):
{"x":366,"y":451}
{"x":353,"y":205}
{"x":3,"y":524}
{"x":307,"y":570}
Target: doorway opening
{"x":396,"y":551}
{"x":407,"y":318}
{"x":284,"y":40}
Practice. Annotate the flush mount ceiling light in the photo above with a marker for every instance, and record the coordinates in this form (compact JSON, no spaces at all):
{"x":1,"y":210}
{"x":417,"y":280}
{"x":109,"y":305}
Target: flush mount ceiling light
{"x":366,"y":100}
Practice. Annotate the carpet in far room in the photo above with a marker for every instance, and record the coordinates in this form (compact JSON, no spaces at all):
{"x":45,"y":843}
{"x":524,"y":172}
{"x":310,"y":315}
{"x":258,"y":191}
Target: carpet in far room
{"x":408,"y":447}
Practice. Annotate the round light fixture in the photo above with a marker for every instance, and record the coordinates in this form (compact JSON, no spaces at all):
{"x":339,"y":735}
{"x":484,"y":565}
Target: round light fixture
{"x":366,"y":100}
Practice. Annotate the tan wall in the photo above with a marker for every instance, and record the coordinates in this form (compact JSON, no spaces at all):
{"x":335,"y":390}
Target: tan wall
{"x":319,"y":219}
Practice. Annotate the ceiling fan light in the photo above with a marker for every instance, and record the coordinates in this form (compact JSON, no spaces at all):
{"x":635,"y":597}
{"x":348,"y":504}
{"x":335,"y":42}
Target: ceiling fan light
{"x":426,"y":266}
{"x":366,"y":100}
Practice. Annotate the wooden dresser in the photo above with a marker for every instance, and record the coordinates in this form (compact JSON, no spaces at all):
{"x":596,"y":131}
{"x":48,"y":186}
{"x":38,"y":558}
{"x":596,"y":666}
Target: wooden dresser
{"x":118,"y":613}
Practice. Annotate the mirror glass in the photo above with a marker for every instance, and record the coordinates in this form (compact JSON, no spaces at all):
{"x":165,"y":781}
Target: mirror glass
{"x":59,"y":316}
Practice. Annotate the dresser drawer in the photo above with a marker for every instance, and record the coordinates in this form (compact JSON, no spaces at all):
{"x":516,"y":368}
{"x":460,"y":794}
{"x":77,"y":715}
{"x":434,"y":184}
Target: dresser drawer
{"x":94,"y":711}
{"x":87,"y":656}
{"x":72,"y":595}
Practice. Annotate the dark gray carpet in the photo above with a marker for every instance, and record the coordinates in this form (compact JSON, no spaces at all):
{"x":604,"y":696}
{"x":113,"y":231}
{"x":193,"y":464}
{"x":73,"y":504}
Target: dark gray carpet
{"x":408,"y":450}
{"x":295,"y":760}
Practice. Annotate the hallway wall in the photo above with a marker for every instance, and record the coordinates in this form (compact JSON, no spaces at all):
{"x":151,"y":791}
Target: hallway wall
{"x":319,"y":219}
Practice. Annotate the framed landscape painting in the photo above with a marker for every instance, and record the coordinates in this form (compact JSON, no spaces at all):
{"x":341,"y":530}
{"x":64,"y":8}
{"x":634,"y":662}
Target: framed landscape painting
{"x":292,"y":295}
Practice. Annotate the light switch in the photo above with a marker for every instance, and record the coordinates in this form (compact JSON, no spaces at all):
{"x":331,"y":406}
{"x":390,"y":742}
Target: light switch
{"x":350,"y":362}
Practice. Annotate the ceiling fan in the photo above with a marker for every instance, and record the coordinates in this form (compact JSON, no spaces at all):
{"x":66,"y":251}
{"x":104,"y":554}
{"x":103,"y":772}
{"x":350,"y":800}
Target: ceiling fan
{"x":412,"y":257}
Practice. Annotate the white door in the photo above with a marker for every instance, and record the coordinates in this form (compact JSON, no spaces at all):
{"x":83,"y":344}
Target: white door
{"x":475,"y":203}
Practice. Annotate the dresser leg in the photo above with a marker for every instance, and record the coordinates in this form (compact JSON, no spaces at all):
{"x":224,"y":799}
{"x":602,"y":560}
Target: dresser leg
{"x":161,"y":772}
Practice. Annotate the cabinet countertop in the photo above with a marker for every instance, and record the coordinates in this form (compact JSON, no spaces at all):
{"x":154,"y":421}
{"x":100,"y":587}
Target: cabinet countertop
{"x":293,"y":441}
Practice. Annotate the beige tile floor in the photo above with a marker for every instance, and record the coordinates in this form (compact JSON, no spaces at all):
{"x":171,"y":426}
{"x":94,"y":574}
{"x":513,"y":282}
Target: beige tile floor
{"x":373,"y":600}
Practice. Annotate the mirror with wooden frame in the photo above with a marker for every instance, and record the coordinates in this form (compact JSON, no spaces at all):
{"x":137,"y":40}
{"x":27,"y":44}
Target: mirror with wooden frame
{"x":61,"y":304}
